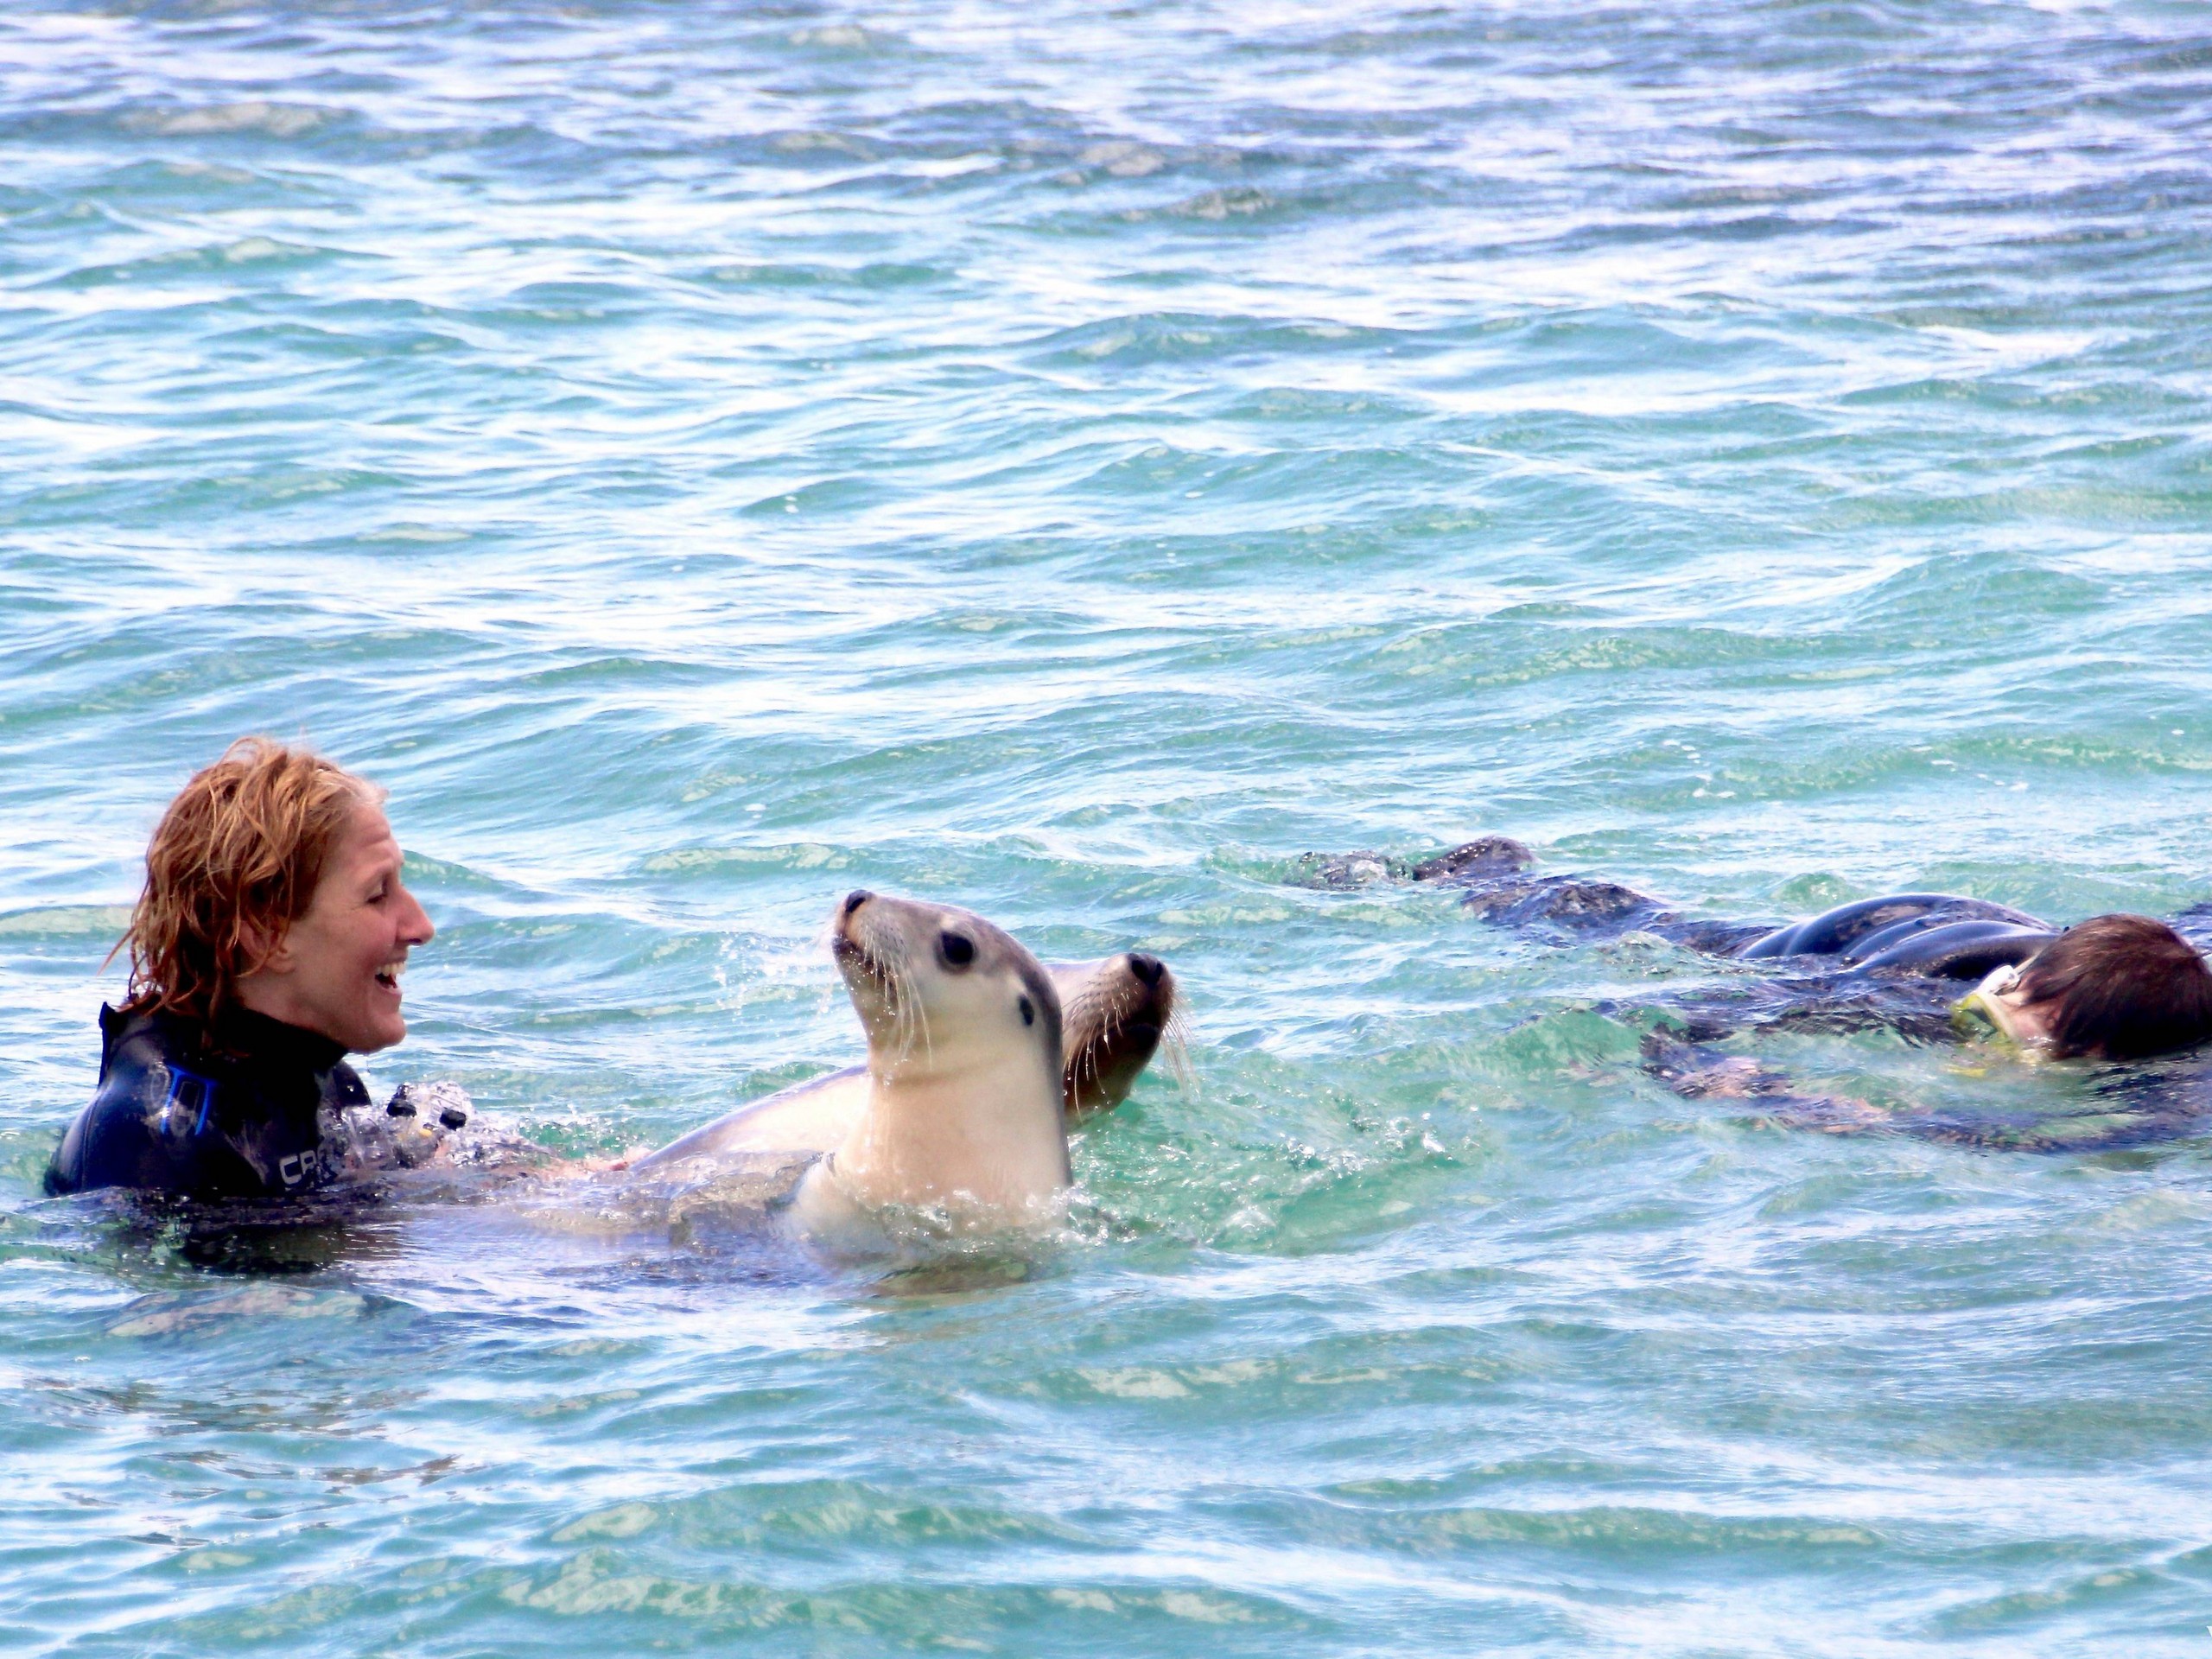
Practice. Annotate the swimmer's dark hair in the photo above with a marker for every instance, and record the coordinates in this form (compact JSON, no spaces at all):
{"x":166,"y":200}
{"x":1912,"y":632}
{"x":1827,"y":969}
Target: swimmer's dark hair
{"x":2121,"y":987}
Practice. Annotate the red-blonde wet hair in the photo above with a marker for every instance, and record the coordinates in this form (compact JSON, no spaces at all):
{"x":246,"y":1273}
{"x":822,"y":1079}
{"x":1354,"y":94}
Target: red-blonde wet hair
{"x":233,"y":863}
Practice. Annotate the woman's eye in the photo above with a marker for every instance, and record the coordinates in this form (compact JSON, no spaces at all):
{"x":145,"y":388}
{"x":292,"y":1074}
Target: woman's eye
{"x":957,"y":949}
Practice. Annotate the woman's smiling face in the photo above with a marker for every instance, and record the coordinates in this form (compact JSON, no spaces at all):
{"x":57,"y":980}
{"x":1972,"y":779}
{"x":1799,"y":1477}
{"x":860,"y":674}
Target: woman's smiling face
{"x":337,"y":970}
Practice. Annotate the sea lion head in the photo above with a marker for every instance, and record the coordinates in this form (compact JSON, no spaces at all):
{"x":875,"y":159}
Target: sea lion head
{"x":941,"y":990}
{"x":1113,"y":1013}
{"x":964,"y":1114}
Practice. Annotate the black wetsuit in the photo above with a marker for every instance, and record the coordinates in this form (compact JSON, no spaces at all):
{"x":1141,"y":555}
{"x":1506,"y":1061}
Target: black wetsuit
{"x":247,"y":1107}
{"x":1935,"y":935}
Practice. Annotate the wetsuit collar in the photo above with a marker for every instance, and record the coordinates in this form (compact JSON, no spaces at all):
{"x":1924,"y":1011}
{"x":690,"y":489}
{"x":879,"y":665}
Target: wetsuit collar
{"x":243,"y":1034}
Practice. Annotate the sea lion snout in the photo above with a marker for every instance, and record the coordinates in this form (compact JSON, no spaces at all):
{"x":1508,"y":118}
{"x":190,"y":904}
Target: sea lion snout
{"x":856,"y":898}
{"x":1145,"y":967}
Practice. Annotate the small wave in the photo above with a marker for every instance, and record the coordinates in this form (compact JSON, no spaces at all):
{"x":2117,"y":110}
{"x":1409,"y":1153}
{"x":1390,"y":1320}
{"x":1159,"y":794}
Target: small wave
{"x":73,"y":923}
{"x":796,"y":855}
{"x":1237,"y":201}
{"x":1171,"y":336}
{"x":165,"y":1315}
{"x":251,"y":115}
{"x":839,"y":37}
{"x":844,"y":146}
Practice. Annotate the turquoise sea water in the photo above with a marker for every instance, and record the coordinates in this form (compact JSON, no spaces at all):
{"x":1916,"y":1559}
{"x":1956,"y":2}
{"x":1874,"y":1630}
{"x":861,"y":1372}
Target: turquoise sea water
{"x":1068,"y":461}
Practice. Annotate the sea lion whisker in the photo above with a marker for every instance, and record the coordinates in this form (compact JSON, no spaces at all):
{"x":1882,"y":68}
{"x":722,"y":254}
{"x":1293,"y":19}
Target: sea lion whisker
{"x":928,"y":1042}
{"x":1175,"y":1052}
{"x":903,"y":1028}
{"x":1099,"y":1046}
{"x":918,"y":1023}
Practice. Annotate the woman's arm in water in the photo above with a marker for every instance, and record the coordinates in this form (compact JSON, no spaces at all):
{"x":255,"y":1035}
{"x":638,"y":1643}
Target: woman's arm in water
{"x":1697,"y":1072}
{"x":2135,"y":1109}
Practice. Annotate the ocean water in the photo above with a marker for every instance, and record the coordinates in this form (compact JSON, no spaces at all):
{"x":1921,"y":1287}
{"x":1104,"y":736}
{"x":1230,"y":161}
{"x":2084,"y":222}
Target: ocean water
{"x":1068,"y":461}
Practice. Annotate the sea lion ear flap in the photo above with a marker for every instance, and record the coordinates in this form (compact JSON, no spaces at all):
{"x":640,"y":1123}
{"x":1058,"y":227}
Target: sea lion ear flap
{"x":1044,"y":1003}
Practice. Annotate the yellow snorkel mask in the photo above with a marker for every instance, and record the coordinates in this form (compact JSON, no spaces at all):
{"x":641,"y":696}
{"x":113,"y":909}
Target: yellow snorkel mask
{"x":1982,"y":1015}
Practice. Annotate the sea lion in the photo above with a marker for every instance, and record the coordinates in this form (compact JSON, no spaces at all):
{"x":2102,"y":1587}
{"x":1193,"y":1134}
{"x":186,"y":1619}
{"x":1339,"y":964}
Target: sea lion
{"x":2112,"y":988}
{"x":1933,"y":935}
{"x":1114,"y":1013}
{"x":946,"y":1113}
{"x":965,"y":1099}
{"x":1496,"y":880}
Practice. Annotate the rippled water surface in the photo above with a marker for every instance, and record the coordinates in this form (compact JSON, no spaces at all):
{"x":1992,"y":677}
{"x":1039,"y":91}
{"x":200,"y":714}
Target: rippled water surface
{"x":1069,"y":461}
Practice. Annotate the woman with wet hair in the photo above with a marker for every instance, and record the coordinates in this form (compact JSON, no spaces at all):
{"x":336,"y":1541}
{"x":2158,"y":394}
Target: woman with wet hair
{"x":267,"y":944}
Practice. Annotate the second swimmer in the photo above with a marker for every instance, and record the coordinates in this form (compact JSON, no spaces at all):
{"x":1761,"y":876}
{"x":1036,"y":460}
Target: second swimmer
{"x":1934,"y":966}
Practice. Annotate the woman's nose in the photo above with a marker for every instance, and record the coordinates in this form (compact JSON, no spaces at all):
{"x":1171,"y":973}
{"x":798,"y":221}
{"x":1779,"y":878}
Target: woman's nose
{"x":418,"y":929}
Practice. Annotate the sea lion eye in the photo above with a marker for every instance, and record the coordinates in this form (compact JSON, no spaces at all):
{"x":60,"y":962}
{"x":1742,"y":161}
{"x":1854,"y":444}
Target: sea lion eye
{"x":1029,"y":1011}
{"x":957,"y":949}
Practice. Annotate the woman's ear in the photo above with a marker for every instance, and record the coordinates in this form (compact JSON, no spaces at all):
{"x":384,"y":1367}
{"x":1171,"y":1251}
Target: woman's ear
{"x":269,"y":949}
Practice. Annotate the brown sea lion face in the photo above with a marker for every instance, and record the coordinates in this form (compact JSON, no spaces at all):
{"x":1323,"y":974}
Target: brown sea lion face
{"x":1113,"y":1012}
{"x":938,"y":988}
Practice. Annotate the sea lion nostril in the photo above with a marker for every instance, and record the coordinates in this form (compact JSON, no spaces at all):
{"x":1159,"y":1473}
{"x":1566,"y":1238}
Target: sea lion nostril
{"x":1145,"y":967}
{"x":856,"y":898}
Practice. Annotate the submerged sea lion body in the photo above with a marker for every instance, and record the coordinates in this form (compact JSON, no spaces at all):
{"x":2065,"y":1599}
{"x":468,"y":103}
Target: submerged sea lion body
{"x":1929,"y":934}
{"x":1496,"y":880}
{"x":1869,"y":962}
